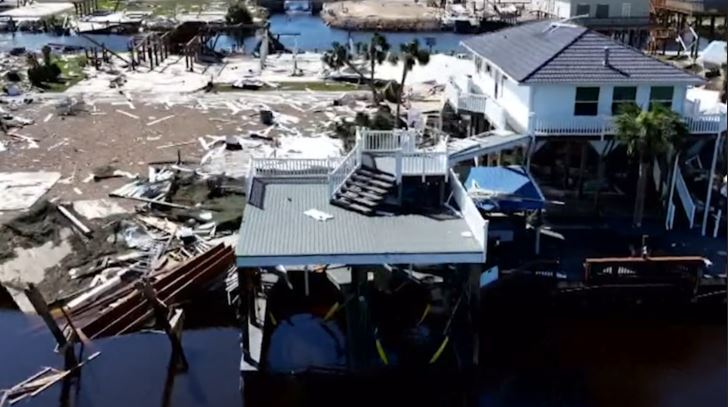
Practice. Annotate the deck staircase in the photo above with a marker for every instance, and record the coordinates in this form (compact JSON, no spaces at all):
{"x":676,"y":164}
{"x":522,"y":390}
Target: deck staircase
{"x":364,"y":190}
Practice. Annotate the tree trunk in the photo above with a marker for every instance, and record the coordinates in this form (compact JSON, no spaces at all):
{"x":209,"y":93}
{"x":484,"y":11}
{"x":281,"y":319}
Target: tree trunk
{"x":399,"y":94}
{"x":371,"y":78}
{"x":639,"y":204}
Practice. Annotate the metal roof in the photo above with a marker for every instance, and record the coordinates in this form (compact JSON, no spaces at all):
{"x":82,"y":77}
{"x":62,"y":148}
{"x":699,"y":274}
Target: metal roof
{"x":460,"y":150}
{"x":279,"y":228}
{"x":551,"y":52}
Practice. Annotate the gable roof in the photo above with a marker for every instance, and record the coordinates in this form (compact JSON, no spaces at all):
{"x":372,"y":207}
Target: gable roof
{"x":542,"y":52}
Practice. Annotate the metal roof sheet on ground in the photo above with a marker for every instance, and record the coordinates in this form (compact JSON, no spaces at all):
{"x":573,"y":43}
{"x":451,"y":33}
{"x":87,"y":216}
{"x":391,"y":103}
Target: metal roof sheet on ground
{"x":551,"y":52}
{"x":278,"y":232}
{"x":504,"y":189}
{"x":460,"y":150}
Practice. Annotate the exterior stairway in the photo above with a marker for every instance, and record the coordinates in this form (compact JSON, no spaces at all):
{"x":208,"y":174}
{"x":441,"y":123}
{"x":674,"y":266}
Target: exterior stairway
{"x":365,"y":190}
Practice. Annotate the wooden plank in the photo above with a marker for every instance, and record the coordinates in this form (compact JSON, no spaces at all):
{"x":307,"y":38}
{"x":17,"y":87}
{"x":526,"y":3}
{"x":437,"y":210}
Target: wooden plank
{"x":366,"y":187}
{"x":352,"y":197}
{"x":374,"y":182}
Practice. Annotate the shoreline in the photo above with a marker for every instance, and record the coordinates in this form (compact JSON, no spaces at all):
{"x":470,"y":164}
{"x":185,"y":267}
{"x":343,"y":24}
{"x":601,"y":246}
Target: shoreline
{"x":372,"y":15}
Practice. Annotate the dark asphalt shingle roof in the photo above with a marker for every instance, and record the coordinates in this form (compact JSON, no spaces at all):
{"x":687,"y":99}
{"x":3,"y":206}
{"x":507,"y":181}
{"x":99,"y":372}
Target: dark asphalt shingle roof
{"x":535,"y":53}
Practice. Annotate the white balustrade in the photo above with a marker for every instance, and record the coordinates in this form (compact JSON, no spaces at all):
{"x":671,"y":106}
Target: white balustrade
{"x":477,"y":225}
{"x":340,"y":174}
{"x":684,"y":194}
{"x":292,"y":167}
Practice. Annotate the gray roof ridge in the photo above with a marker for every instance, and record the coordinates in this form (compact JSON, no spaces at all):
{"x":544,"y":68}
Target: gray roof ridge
{"x":556,"y":54}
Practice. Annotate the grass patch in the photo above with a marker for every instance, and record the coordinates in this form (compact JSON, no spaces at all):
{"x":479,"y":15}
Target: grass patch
{"x":316,"y":86}
{"x":71,"y":72}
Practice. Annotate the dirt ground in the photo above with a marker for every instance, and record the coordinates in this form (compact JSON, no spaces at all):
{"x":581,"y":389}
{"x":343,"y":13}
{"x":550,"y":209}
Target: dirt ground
{"x":130,"y":135}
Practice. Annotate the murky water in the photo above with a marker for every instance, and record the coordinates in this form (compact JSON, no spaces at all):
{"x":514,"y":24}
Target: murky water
{"x":314,"y":34}
{"x":569,"y":362}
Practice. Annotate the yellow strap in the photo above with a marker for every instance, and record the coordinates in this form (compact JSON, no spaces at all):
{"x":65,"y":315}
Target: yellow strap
{"x":380,"y":350}
{"x":272,"y":319}
{"x":439,"y":350}
{"x":424,"y":314}
{"x":331,"y":311}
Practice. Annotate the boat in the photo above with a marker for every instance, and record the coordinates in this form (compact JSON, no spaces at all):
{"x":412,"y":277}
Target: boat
{"x":294,"y":7}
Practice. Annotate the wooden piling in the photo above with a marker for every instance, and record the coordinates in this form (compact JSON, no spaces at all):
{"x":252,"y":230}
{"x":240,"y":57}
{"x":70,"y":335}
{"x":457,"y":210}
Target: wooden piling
{"x":41,"y":308}
{"x":161,"y":315}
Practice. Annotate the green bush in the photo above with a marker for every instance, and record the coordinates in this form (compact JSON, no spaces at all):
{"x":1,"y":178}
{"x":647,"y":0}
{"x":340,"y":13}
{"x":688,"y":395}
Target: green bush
{"x":238,"y":13}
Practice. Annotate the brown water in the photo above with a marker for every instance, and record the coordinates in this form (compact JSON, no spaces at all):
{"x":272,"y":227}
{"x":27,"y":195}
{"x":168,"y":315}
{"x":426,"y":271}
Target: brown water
{"x":566,"y":362}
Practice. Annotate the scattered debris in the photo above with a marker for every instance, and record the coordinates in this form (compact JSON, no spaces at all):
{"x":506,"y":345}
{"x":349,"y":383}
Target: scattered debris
{"x":133,"y":116}
{"x":153,"y":122}
{"x":318,"y":215}
{"x":20,"y":190}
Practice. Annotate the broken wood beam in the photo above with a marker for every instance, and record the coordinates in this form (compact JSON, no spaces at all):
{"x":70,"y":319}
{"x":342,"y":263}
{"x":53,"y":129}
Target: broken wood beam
{"x":161,"y":315}
{"x":76,"y":222}
{"x":41,"y":308}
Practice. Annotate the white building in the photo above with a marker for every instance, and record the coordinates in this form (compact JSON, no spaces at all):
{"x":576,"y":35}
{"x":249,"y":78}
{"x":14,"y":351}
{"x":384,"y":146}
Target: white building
{"x":555,"y":80}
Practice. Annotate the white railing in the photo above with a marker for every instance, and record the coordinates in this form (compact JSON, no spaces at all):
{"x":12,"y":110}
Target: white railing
{"x":584,"y":125}
{"x":460,"y":100}
{"x":346,"y":167}
{"x":292,"y":167}
{"x":425,"y":163}
{"x":387,"y":140}
{"x":474,"y":102}
{"x":684,"y":194}
{"x":600,"y":125}
{"x":706,"y":123}
{"x":477,"y":225}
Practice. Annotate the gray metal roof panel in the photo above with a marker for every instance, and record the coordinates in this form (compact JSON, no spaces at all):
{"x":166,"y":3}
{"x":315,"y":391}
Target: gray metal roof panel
{"x":522,"y":49}
{"x":281,"y":229}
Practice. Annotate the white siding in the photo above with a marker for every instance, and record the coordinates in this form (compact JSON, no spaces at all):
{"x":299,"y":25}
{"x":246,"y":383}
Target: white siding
{"x":557,"y":101}
{"x":562,"y":8}
{"x":516,"y":99}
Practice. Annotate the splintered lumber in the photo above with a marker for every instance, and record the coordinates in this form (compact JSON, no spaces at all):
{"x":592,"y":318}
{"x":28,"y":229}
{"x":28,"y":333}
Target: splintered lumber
{"x":130,"y":311}
{"x":77,"y":223}
{"x":39,"y":382}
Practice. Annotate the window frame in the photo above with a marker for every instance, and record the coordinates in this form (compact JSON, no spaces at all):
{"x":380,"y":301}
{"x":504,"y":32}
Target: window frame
{"x":582,"y":103}
{"x":664,"y":102}
{"x":581,"y":5}
{"x":617,"y":103}
{"x":597,"y":9}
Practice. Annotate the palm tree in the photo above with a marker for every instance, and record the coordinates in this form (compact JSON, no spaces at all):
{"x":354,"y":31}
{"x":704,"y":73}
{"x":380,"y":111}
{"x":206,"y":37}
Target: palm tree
{"x":339,"y":56}
{"x":647,"y":135}
{"x":376,"y":53}
{"x":410,"y":54}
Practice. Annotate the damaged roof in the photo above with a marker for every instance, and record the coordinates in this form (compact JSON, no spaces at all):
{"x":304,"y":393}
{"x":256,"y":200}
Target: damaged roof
{"x":549,"y":52}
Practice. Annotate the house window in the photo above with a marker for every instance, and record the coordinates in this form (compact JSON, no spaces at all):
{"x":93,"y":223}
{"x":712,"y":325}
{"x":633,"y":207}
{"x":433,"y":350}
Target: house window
{"x":487,"y":68}
{"x":582,"y":10}
{"x":587,"y":101}
{"x":602,"y":11}
{"x":478,"y":64}
{"x":661,"y":95}
{"x":626,"y":9}
{"x":623,"y":95}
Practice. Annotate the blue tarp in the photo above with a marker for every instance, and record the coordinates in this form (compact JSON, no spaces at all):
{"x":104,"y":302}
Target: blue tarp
{"x":503,"y":189}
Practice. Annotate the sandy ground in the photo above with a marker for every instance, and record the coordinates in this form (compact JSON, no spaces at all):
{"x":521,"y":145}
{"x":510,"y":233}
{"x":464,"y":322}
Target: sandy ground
{"x":389,"y":15}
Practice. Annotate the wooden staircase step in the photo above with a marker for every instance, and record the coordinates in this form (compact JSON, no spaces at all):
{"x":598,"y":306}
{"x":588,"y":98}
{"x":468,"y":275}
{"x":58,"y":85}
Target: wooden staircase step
{"x":376,"y":174}
{"x":366,"y":194}
{"x":358,"y":199}
{"x":346,"y":204}
{"x":375,"y":182}
{"x":365,"y":186}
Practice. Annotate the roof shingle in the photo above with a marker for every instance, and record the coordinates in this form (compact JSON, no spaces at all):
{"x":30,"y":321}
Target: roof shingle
{"x":542,"y":52}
